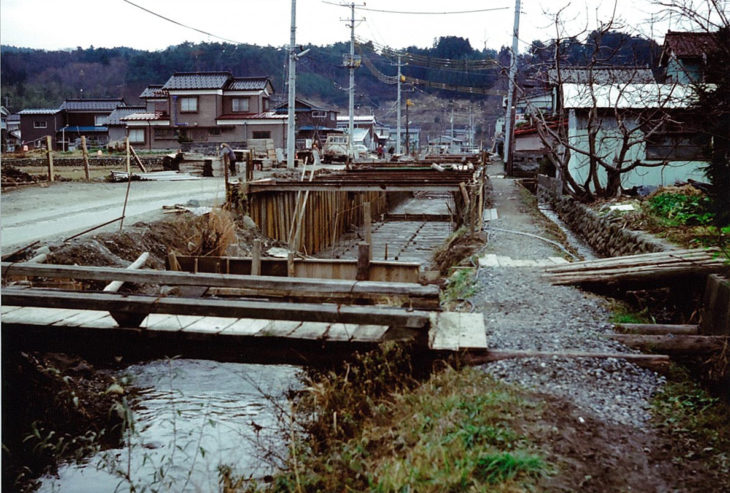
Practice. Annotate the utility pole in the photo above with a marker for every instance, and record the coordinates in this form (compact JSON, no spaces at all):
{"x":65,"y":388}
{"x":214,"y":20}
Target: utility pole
{"x":398,"y":117}
{"x":291,"y":114}
{"x":351,"y":106}
{"x":451,"y":144}
{"x":509,"y":118}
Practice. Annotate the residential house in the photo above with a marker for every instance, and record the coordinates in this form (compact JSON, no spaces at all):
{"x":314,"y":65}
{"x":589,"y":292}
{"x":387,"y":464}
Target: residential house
{"x":684,"y":56}
{"x":313,"y":122}
{"x":671,"y":152}
{"x":411,"y":134}
{"x":9,"y":130}
{"x":38,"y":123}
{"x":117,"y":128}
{"x":205,"y":109}
{"x":87,"y":117}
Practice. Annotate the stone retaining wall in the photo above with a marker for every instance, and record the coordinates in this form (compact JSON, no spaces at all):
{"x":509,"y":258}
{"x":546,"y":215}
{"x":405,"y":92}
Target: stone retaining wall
{"x":604,"y":234}
{"x":117,"y":161}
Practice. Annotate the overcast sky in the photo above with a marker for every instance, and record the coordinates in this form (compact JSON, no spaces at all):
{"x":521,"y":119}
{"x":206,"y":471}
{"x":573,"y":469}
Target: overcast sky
{"x":54,"y":24}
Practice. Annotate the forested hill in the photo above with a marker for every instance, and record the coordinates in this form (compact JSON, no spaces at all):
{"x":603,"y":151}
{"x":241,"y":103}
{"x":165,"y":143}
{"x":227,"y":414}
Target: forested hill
{"x":39,"y":78}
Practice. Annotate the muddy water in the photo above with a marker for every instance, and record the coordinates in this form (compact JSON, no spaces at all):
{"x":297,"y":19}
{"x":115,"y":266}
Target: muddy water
{"x":195,"y":415}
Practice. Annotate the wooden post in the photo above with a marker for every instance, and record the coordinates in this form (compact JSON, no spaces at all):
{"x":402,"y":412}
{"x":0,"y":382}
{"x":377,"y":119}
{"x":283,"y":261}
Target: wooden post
{"x":225,"y":173}
{"x":129,"y":167}
{"x":363,"y":261}
{"x":368,"y":225}
{"x":256,"y":258}
{"x":290,"y":272}
{"x":85,"y":153}
{"x":49,"y":146}
{"x":172,"y":260}
{"x":138,"y":160}
{"x":249,"y":166}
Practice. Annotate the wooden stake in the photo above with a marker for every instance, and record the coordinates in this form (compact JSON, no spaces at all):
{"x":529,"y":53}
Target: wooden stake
{"x":172,"y":260}
{"x":363,"y":262}
{"x":290,"y":272}
{"x":49,"y":146}
{"x":138,"y":160}
{"x":256,"y":258}
{"x":85,"y":153}
{"x":368,"y":226}
{"x":129,"y":166}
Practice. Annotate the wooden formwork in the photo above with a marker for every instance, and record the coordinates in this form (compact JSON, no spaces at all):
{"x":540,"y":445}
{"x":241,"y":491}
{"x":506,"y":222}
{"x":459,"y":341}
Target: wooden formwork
{"x":327,"y":215}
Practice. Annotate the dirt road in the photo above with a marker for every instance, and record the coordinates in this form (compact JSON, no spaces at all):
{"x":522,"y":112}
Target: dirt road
{"x":63,"y":209}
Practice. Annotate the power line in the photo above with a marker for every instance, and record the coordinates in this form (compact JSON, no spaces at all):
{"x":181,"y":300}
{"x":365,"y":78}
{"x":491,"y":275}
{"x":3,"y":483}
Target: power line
{"x":410,"y":12}
{"x":182,"y":25}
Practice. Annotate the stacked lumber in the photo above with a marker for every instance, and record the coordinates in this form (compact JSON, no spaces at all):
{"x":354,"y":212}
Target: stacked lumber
{"x":639,"y":268}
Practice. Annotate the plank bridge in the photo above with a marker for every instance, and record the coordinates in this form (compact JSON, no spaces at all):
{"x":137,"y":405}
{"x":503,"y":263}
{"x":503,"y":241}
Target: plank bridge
{"x":263,"y":327}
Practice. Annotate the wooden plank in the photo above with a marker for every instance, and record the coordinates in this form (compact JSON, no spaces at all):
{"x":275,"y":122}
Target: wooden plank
{"x":310,"y":330}
{"x":279,"y":328}
{"x":369,"y":333}
{"x":82,"y":317}
{"x":658,"y":329}
{"x":210,"y":325}
{"x":7,"y":309}
{"x":173,"y":323}
{"x":148,"y":276}
{"x":341,"y":332}
{"x":443,"y":336}
{"x":105,"y":322}
{"x":246,"y":327}
{"x":472,"y":333}
{"x":38,"y":316}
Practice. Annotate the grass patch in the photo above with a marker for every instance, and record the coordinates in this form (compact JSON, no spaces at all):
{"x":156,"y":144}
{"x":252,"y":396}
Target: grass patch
{"x":622,"y":313}
{"x":460,"y":286}
{"x":380,"y":427}
{"x":696,"y":424}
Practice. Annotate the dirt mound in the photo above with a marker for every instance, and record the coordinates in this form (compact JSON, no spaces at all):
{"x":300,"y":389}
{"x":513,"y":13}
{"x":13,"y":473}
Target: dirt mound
{"x":13,"y":176}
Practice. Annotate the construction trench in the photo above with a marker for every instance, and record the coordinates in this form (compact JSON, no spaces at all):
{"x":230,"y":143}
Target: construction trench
{"x":326,"y":302}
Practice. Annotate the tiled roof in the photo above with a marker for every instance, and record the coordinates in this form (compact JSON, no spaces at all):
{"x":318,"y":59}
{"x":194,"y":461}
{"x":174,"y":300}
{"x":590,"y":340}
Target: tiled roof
{"x":101,"y":104}
{"x":39,"y":111}
{"x":115,"y":118}
{"x":602,"y":75}
{"x":266,"y":115}
{"x":153,"y":91}
{"x":248,"y":84}
{"x":137,"y":117}
{"x":197,"y":80}
{"x":688,"y":44}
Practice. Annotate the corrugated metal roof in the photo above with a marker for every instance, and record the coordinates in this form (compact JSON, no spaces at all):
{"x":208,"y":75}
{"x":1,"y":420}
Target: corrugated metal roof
{"x":602,"y":75}
{"x":153,"y":91}
{"x":39,"y":111}
{"x":248,"y":84}
{"x":115,"y":118}
{"x":100,"y":104}
{"x":625,"y":96}
{"x":197,"y":80}
{"x":266,"y":115}
{"x":689,"y":44}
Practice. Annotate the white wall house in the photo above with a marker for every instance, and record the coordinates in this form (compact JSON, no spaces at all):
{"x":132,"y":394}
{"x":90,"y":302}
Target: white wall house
{"x":674,"y":148}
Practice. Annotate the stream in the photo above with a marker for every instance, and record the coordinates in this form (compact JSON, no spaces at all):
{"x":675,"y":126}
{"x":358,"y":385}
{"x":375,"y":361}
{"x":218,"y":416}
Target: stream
{"x":194,"y":415}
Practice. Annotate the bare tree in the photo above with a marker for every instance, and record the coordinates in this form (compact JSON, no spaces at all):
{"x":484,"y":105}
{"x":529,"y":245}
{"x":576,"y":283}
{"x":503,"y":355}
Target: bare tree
{"x":603,"y":118}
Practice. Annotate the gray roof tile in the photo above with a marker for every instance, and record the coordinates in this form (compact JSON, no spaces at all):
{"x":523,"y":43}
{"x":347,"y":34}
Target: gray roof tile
{"x":115,"y":118}
{"x":100,"y":104}
{"x":153,"y":91}
{"x":248,"y":84}
{"x":197,"y":80}
{"x":39,"y":111}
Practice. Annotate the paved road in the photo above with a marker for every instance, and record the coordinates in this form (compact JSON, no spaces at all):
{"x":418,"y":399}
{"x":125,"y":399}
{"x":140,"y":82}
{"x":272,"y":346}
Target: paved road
{"x":63,"y":209}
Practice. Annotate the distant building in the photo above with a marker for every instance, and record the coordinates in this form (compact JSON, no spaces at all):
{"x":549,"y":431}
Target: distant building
{"x":684,"y":56}
{"x":313,"y":122}
{"x":205,"y":109}
{"x":38,"y":123}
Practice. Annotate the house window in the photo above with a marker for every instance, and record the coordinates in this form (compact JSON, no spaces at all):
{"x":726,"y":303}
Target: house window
{"x":265,"y":103}
{"x":189,"y":105}
{"x":100,"y":120}
{"x":214,"y":131}
{"x":240,"y":105}
{"x":40,"y":124}
{"x":136,"y":135}
{"x":319,"y":114}
{"x":164,"y":133}
{"x":260,"y":134}
{"x":676,"y":139}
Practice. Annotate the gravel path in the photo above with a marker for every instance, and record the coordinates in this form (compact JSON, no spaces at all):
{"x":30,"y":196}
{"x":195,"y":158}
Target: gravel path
{"x":523,"y":311}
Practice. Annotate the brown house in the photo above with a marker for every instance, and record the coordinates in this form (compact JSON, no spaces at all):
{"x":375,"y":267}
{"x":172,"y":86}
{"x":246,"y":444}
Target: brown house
{"x":204,"y":109}
{"x":36,"y":124}
{"x":88,"y":117}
